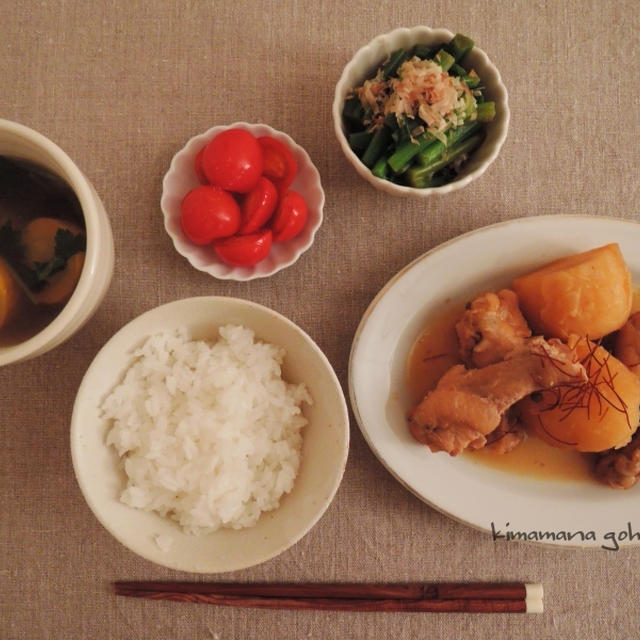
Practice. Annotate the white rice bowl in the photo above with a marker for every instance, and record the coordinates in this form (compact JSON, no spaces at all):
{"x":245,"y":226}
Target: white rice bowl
{"x":208,"y":434}
{"x":161,"y":539}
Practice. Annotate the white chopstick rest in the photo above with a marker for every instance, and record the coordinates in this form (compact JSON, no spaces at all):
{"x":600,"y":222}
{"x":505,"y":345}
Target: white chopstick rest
{"x":533,"y":598}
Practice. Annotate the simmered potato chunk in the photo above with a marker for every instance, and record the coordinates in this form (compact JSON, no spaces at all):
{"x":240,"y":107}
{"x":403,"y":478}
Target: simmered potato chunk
{"x":593,"y":416}
{"x":587,"y":294}
{"x":39,"y":243}
{"x":9,"y":294}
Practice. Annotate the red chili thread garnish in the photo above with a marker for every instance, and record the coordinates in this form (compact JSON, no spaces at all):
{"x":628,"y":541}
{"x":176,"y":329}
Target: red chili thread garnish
{"x":573,"y":396}
{"x":547,"y":357}
{"x":554,"y":437}
{"x":434,"y":357}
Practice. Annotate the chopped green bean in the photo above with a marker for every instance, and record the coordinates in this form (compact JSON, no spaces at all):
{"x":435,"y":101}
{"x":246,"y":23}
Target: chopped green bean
{"x":486,"y":111}
{"x":408,"y":150}
{"x":439,"y":179}
{"x":420,"y":177}
{"x":407,"y":129}
{"x":359,"y":140}
{"x":395,"y":60}
{"x":391,"y":122}
{"x":376,"y":147}
{"x":444,"y":59}
{"x":423,"y":51}
{"x":471,"y":79}
{"x":380,"y":168}
{"x":434,"y":151}
{"x":400,"y":135}
{"x":459,"y":46}
{"x":353,"y":111}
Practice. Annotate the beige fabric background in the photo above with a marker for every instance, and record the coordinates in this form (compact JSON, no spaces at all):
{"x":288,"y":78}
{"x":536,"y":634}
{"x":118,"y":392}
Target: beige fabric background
{"x":121,"y":86}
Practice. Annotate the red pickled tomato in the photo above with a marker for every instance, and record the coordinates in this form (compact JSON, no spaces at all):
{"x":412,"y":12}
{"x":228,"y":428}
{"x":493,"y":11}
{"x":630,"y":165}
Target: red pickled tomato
{"x":280,"y":165}
{"x":197,"y":165}
{"x":258,"y":205}
{"x":290,"y":216}
{"x":207,"y":213}
{"x":244,"y":251}
{"x":233,"y":160}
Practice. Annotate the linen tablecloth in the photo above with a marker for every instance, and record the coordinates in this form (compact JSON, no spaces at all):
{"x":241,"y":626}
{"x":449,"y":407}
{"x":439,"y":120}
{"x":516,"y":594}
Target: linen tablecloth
{"x":121,"y":86}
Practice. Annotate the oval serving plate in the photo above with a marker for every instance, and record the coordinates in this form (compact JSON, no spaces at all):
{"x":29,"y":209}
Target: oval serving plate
{"x":509,"y":506}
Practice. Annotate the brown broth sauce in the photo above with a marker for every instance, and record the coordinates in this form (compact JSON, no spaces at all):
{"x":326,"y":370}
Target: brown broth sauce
{"x":27,"y":320}
{"x":28,"y":191}
{"x":435,"y":351}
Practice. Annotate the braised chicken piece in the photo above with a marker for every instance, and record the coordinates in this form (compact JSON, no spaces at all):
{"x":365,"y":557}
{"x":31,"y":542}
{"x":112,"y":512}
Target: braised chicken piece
{"x":491,"y":326}
{"x":507,"y":435}
{"x":620,"y":468}
{"x":468,"y":404}
{"x":627,"y":344}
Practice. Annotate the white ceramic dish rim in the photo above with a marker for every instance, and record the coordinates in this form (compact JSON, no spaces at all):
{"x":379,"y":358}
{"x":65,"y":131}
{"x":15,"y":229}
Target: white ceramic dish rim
{"x":120,"y":347}
{"x":383,"y":45}
{"x":86,"y":197}
{"x":282,"y":256}
{"x":527,"y":504}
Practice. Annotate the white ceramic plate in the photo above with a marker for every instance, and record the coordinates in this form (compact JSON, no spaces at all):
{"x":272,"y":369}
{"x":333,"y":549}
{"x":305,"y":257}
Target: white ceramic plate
{"x":476,"y":494}
{"x":324,"y":453}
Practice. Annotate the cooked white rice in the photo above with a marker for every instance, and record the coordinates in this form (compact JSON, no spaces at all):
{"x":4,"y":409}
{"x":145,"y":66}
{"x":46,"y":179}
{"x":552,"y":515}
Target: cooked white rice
{"x":209,"y":434}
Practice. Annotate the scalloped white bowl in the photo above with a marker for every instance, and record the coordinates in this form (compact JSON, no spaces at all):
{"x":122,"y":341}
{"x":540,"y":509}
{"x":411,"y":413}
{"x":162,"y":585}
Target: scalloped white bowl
{"x":181,"y":178}
{"x":364,"y":64}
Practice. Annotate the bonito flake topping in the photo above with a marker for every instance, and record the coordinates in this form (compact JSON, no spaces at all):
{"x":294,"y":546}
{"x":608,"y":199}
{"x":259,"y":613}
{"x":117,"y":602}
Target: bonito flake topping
{"x":421,"y":90}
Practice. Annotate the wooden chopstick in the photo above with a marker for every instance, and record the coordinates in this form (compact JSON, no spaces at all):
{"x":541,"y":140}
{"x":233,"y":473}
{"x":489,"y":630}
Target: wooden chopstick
{"x":473,"y":597}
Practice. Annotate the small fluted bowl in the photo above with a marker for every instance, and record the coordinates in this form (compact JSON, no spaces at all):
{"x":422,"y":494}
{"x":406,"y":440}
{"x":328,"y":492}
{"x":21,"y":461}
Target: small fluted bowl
{"x":181,"y":178}
{"x":367,"y":60}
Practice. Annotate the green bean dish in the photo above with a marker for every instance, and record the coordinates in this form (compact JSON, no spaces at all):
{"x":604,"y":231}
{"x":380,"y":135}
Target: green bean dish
{"x":421,"y":116}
